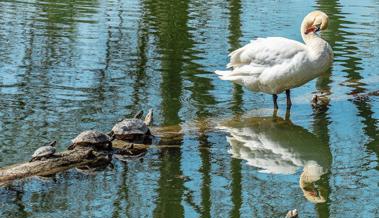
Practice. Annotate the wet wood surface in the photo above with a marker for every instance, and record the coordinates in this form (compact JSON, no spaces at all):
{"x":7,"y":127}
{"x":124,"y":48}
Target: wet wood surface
{"x":85,"y":156}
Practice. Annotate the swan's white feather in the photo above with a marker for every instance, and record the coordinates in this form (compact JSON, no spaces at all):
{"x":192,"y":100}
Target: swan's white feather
{"x":266,"y":52}
{"x":275,"y":64}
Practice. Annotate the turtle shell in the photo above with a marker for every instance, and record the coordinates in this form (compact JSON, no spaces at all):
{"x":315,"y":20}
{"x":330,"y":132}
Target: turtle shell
{"x":91,"y":137}
{"x":44,"y":151}
{"x":130,"y":126}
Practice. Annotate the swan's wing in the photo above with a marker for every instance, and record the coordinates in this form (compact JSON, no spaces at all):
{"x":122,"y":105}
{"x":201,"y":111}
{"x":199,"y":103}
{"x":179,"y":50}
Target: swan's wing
{"x":266,"y":52}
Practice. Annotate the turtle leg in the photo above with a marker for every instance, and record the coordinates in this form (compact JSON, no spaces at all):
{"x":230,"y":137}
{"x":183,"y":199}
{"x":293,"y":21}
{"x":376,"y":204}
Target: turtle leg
{"x":275,"y":99}
{"x":113,"y":137}
{"x":110,"y":164}
{"x":110,"y":134}
{"x":56,"y":155}
{"x":148,"y":133}
{"x":71,"y":147}
{"x":288,"y":94}
{"x":148,"y":137}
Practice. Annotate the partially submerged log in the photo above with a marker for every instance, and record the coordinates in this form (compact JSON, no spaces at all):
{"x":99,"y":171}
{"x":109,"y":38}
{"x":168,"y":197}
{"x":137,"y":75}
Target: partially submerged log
{"x":85,"y":156}
{"x":63,"y":161}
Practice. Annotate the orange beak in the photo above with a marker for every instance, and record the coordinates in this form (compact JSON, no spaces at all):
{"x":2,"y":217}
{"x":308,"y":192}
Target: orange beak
{"x":312,"y":29}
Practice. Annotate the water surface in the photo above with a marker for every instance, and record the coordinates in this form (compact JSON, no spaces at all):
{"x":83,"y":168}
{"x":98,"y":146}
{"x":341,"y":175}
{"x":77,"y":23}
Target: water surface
{"x":68,"y":66}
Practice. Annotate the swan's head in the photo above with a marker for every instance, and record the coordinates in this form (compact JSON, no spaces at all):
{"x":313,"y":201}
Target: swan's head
{"x":312,"y":172}
{"x":314,"y":22}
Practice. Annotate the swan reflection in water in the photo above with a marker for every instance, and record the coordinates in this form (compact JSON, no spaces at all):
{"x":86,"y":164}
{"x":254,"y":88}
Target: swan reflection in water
{"x":277,"y":146}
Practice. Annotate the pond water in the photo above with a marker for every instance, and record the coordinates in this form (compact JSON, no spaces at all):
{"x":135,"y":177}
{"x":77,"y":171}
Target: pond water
{"x":68,"y":66}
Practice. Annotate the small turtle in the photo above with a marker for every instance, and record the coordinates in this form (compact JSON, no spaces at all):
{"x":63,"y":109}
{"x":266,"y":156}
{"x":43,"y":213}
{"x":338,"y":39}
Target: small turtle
{"x":133,"y":129}
{"x":92,"y":138}
{"x":292,"y":214}
{"x":44,"y":152}
{"x":320,"y":100}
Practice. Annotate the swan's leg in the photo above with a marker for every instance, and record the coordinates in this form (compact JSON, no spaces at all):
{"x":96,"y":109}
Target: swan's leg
{"x":275,"y":98}
{"x":288,"y":94}
{"x":288,"y":113}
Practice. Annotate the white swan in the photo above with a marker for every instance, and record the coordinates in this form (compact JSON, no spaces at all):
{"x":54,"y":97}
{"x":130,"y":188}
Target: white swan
{"x":275,"y":64}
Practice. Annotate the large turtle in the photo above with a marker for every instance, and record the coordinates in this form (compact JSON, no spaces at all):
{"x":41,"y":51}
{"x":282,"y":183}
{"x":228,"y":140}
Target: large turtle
{"x":133,"y":129}
{"x":92,"y":138}
{"x":44,"y":152}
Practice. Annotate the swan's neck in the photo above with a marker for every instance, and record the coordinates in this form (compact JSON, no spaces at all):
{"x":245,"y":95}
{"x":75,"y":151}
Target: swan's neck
{"x":311,"y":39}
{"x":315,"y":44}
{"x":319,"y":50}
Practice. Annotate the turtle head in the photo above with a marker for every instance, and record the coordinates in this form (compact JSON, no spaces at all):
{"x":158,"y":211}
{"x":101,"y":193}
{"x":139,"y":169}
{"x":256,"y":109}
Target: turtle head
{"x":138,"y":115}
{"x":52,"y":144}
{"x":111,"y":134}
{"x":149,"y":117}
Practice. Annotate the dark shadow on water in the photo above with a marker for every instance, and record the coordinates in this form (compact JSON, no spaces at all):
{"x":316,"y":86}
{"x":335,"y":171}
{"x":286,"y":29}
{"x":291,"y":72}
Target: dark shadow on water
{"x":173,"y":44}
{"x":235,"y":35}
{"x":206,"y":177}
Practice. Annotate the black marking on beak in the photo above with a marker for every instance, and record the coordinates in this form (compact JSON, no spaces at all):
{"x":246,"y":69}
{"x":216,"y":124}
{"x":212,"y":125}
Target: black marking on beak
{"x":317,"y":28}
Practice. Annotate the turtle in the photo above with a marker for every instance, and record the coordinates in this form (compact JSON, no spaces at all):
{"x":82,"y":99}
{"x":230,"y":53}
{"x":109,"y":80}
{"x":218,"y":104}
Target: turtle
{"x":292,"y":214}
{"x":92,"y":138}
{"x":134,"y":128}
{"x":44,"y":152}
{"x":320,"y":100}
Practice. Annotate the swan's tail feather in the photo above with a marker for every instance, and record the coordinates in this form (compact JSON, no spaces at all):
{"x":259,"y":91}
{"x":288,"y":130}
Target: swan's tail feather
{"x":223,"y":72}
{"x":235,"y":57}
{"x":228,"y":75}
